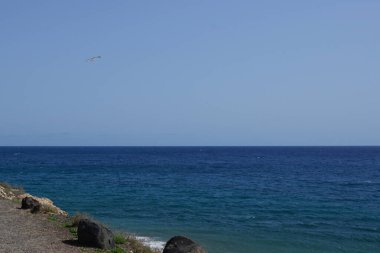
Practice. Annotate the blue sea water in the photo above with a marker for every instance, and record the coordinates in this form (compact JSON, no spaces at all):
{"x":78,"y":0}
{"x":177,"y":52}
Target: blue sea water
{"x":229,"y":199}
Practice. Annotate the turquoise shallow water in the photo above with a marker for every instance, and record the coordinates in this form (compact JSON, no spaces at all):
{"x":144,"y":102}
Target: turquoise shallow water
{"x":230,"y":199}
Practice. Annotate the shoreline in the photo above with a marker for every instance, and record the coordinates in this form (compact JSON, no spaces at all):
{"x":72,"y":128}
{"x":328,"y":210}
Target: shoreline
{"x":229,"y":200}
{"x":55,"y":221}
{"x":54,"y":230}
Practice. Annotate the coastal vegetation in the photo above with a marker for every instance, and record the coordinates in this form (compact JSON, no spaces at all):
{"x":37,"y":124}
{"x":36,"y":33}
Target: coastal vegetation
{"x":74,"y":220}
{"x":133,"y":244}
{"x":117,"y":250}
{"x":119,"y":239}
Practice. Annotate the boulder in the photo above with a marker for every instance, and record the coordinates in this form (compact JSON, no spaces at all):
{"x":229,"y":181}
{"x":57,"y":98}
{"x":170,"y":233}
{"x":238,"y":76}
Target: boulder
{"x":94,"y":234}
{"x":181,"y":244}
{"x":31,"y":203}
{"x":36,"y":207}
{"x":28,"y":203}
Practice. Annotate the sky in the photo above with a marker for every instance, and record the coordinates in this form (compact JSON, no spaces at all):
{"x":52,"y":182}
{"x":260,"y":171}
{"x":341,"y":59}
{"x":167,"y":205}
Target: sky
{"x":194,"y":72}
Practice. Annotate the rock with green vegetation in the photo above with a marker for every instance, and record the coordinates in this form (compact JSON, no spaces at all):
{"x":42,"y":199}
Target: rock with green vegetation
{"x":181,"y":244}
{"x":94,"y":234}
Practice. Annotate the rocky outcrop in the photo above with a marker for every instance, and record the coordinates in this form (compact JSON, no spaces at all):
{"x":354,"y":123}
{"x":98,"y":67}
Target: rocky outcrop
{"x":181,"y":244}
{"x":46,"y":204}
{"x":36,"y":208}
{"x":27,"y":203}
{"x":6,"y":195}
{"x":30,"y":203}
{"x":8,"y":192}
{"x":94,"y":234}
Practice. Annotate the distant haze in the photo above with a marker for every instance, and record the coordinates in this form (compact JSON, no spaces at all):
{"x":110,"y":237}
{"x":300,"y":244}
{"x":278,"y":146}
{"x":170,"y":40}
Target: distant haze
{"x":190,"y":72}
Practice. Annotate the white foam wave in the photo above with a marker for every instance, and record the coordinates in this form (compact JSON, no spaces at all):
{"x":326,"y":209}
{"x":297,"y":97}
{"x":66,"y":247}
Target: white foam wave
{"x":151,"y":242}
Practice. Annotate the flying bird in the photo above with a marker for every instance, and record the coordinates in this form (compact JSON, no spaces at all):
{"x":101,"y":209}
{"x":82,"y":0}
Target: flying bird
{"x":92,"y":59}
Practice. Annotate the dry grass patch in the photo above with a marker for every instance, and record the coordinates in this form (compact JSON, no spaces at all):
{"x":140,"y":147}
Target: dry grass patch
{"x":10,"y":192}
{"x":77,"y":217}
{"x":136,"y":246}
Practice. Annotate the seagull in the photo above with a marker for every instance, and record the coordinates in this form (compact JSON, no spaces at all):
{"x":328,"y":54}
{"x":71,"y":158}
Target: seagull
{"x":92,"y":59}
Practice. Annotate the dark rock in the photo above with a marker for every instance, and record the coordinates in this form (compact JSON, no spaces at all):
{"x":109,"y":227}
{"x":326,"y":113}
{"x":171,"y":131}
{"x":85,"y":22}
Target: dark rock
{"x":94,"y":234}
{"x":29,"y":203}
{"x":181,"y":244}
{"x":36,"y":207}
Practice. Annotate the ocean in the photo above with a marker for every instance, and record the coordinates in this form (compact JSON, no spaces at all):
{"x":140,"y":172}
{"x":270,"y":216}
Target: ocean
{"x":228,"y":199}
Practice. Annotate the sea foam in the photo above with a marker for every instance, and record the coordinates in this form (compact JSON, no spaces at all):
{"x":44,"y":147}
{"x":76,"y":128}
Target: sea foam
{"x":151,"y":242}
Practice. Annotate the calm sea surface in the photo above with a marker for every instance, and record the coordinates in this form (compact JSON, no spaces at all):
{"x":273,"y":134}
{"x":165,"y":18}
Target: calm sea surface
{"x":229,"y":199}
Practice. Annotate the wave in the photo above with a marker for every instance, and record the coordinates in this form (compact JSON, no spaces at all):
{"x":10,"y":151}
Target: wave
{"x":151,"y":242}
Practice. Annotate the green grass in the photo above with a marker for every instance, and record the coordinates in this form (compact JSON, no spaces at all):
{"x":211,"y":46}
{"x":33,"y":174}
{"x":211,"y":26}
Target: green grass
{"x":117,"y":250}
{"x":52,"y":218}
{"x":16,"y":200}
{"x":74,"y":231}
{"x":119,"y":239}
{"x":67,"y":225}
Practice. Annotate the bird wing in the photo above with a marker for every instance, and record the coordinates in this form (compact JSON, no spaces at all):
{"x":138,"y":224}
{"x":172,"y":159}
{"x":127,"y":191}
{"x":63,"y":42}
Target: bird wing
{"x":94,"y":58}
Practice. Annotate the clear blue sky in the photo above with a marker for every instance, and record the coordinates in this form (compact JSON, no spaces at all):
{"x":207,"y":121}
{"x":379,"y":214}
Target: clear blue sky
{"x":192,"y":72}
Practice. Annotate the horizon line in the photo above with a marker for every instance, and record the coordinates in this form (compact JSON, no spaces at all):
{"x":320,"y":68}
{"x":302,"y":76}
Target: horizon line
{"x":180,"y":146}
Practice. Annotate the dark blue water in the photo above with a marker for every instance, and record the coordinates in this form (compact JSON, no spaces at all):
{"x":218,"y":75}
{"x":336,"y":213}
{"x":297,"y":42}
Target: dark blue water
{"x":230,"y":199}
